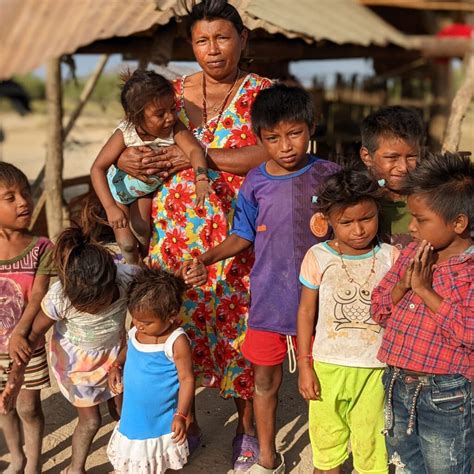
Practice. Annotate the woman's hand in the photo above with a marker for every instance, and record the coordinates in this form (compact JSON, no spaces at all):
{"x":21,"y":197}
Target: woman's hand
{"x":178,"y":427}
{"x":171,"y":155}
{"x":19,"y":349}
{"x":115,"y":380}
{"x":308,"y":383}
{"x":143,"y":161}
{"x":116,"y":217}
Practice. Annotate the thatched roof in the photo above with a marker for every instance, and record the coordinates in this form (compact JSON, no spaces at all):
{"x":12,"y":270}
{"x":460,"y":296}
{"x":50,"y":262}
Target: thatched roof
{"x":32,"y":31}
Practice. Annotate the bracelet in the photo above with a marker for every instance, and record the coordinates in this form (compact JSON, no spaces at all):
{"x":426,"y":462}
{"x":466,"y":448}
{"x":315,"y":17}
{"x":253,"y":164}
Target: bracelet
{"x":181,"y":415}
{"x":115,"y":365}
{"x":304,"y":356}
{"x":201,"y":177}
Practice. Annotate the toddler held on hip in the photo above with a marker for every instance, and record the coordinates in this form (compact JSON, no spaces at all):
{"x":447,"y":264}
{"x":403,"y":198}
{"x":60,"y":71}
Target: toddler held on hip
{"x":25,"y":270}
{"x":343,"y":384}
{"x":150,"y":120}
{"x":155,"y":373}
{"x":87,"y":309}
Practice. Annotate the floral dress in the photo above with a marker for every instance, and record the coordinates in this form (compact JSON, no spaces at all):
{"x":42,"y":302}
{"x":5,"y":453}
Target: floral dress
{"x":215,"y":315}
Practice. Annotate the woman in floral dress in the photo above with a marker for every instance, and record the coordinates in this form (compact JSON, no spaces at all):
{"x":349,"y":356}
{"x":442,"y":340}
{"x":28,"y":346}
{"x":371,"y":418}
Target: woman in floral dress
{"x":215,"y":105}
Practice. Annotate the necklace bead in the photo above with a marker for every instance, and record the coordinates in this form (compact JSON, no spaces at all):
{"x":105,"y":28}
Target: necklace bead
{"x":349,"y":276}
{"x":216,"y":108}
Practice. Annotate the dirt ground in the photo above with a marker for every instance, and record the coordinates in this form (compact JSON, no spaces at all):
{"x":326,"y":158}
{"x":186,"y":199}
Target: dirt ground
{"x":218,"y":421}
{"x":24,"y":146}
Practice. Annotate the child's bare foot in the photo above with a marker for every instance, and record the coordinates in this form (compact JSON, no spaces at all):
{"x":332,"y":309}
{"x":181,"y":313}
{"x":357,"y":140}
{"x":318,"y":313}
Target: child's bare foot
{"x":69,"y":470}
{"x":17,"y":466}
{"x":32,"y":468}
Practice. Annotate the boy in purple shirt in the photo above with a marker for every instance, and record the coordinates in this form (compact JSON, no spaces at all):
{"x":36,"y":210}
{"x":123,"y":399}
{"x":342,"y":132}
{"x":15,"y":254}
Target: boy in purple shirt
{"x":273,"y":214}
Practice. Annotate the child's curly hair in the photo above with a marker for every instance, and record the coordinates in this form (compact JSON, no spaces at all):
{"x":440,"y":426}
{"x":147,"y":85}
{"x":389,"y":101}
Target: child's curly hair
{"x":347,"y":188}
{"x":156,"y":291}
{"x":139,"y":88}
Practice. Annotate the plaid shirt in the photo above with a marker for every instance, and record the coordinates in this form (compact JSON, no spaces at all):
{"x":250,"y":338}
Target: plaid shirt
{"x":416,"y":338}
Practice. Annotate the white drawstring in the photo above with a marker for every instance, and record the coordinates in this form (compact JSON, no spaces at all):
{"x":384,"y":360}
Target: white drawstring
{"x":291,"y":354}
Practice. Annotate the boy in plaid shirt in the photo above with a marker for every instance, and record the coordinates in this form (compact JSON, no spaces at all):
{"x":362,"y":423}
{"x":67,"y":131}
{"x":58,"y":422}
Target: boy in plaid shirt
{"x":426,"y":305}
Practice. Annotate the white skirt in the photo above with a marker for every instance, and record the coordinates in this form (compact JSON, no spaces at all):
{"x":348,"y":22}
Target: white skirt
{"x":146,"y":456}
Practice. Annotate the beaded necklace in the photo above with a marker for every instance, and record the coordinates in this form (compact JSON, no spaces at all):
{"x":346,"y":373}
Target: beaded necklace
{"x":220,"y":109}
{"x":349,"y":276}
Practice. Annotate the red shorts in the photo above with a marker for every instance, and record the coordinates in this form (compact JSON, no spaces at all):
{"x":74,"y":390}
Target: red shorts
{"x":264,"y":347}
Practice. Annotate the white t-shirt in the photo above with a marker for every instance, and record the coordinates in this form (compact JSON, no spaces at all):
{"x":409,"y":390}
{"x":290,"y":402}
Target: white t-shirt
{"x":90,"y":331}
{"x":345,"y":332}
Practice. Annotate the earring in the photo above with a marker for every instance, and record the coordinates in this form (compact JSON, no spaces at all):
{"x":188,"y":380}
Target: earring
{"x":381,"y":182}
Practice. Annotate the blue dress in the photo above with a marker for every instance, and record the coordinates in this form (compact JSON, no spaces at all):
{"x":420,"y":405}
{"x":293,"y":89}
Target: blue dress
{"x":141,"y":442}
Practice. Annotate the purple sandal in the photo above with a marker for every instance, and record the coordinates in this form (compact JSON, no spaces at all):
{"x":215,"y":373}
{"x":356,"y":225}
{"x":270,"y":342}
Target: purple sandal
{"x":194,"y":442}
{"x":245,"y":452}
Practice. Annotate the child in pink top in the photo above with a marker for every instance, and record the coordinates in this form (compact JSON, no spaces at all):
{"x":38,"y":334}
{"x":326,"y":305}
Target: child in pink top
{"x":24,"y":278}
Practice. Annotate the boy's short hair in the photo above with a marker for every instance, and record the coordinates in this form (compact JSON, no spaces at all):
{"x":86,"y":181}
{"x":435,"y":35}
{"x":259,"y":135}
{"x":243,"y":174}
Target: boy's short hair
{"x":10,"y":175}
{"x":157,"y":291}
{"x":392,"y":122}
{"x":446,"y":181}
{"x":281,"y":103}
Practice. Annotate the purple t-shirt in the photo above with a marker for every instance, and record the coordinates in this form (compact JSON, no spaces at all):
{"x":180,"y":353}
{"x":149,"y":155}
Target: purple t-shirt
{"x":274,"y":213}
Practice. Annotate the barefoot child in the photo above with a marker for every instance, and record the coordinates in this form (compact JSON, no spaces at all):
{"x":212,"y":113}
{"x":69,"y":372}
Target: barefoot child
{"x":158,"y":381}
{"x":25,"y":269}
{"x":149,"y":105}
{"x":273,"y":213}
{"x":87,"y":308}
{"x":426,"y":305}
{"x":343,"y":384}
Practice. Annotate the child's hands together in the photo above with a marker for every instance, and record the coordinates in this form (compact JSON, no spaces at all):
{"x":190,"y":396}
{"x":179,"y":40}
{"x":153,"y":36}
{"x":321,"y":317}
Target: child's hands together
{"x":308,"y":383}
{"x":116,"y":217}
{"x":194,"y":273}
{"x":115,"y":380}
{"x":422,"y":274}
{"x":19,"y":349}
{"x":405,"y":281}
{"x":203,"y":189}
{"x":178,"y":428}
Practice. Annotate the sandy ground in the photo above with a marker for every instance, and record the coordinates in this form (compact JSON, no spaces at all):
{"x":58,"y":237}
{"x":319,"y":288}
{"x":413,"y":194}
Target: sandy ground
{"x":24,"y":146}
{"x":218,"y":422}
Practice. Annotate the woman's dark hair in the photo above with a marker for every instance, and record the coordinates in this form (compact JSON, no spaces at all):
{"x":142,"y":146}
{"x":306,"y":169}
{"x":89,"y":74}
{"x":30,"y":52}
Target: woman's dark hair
{"x":86,"y":269}
{"x":214,"y":10}
{"x":156,"y":291}
{"x":139,"y":89}
{"x":392,"y":122}
{"x":281,"y":103}
{"x":10,"y":175}
{"x":446,"y":181}
{"x":346,"y":188}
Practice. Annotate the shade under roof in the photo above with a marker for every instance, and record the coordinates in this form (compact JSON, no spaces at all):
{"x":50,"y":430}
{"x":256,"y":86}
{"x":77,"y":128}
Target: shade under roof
{"x":32,"y":31}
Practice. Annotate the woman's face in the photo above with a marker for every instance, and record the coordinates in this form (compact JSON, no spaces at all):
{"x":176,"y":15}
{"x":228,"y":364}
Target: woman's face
{"x":217,"y":47}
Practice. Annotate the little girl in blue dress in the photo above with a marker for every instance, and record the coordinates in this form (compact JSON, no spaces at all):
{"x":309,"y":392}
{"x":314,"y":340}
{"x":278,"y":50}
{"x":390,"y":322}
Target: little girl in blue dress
{"x":158,"y":381}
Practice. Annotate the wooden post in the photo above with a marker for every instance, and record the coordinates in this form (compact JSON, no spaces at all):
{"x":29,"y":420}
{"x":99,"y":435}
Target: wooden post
{"x":54,"y":157}
{"x":86,"y":93}
{"x":459,"y":107}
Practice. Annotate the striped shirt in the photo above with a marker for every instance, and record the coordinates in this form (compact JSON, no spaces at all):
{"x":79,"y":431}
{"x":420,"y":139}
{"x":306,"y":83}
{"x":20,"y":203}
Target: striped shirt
{"x":417,"y":339}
